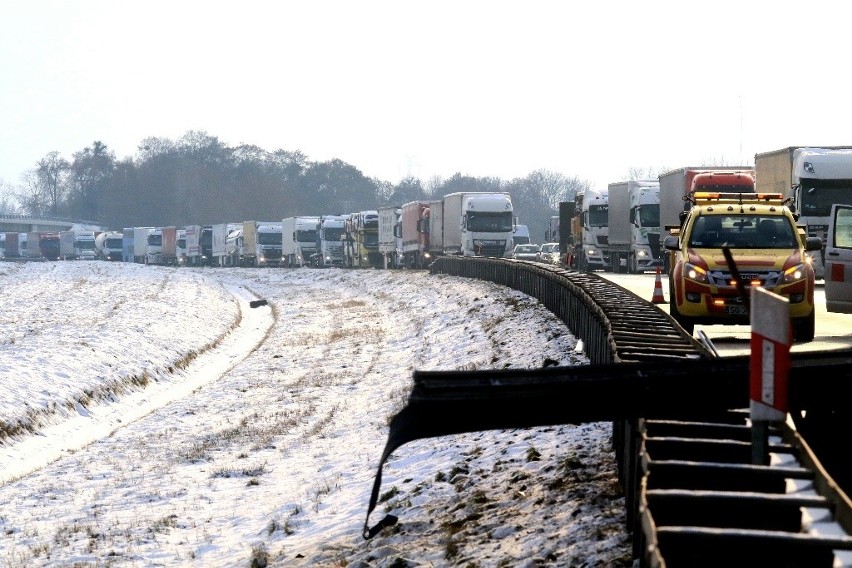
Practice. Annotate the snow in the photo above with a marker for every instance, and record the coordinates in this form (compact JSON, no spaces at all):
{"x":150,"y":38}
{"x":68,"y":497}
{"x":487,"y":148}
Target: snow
{"x":150,"y":417}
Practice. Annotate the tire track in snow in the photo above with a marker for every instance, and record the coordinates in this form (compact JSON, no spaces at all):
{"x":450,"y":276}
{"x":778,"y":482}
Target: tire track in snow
{"x":100,"y":421}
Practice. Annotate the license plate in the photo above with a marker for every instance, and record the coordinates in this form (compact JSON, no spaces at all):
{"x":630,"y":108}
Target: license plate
{"x":735,"y":310}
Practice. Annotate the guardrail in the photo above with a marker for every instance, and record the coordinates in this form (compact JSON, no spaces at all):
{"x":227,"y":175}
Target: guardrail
{"x":680,"y":426}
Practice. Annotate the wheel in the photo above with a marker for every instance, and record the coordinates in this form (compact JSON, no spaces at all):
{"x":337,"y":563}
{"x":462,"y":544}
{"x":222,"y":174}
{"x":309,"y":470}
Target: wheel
{"x":804,"y":328}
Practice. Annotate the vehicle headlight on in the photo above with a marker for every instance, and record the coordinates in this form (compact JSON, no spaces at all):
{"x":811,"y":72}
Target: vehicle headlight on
{"x":641,"y":253}
{"x":591,"y":251}
{"x":695,"y":273}
{"x":794,"y":274}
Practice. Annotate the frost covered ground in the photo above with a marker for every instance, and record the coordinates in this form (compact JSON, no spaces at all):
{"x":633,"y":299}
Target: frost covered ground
{"x":150,"y":417}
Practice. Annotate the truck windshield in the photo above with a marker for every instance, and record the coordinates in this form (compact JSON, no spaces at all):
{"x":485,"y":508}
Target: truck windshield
{"x":332,"y":233}
{"x":819,"y":195}
{"x":371,"y":239}
{"x":649,"y":215}
{"x":743,"y":231}
{"x":269,"y":238}
{"x":85,"y":245}
{"x":598,"y":215}
{"x":113,"y":243}
{"x":306,"y":236}
{"x":155,"y":240}
{"x":485,"y":222}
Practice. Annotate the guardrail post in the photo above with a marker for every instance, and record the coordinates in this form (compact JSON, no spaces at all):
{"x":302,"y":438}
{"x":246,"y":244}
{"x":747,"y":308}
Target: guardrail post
{"x":769,"y":368}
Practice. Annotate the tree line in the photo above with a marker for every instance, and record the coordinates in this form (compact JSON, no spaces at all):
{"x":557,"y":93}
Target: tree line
{"x":197,"y":179}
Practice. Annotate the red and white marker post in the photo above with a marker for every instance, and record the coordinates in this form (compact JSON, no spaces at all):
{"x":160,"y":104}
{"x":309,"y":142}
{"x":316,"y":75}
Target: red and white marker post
{"x":771,"y":336}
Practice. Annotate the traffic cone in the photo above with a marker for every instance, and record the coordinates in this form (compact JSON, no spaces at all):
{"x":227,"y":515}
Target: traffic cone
{"x":658,"y":290}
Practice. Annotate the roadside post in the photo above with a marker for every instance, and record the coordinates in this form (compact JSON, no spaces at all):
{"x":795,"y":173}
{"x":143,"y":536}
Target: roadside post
{"x":769,"y":367}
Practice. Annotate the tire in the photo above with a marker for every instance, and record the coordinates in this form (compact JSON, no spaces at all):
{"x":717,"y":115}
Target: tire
{"x":804,"y":328}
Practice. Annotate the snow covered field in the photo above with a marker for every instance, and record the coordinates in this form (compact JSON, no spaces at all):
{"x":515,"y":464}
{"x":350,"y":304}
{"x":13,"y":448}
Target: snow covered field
{"x":150,"y":417}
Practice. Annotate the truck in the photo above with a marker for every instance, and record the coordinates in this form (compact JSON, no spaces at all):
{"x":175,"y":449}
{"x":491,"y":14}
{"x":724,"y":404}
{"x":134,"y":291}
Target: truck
{"x":390,"y":235}
{"x":84,"y":245}
{"x":268,"y":244}
{"x":242,"y":244}
{"x":593,"y":252}
{"x":48,"y":245}
{"x":298,"y":239}
{"x":140,"y":243}
{"x":675,"y":186}
{"x":109,"y":245}
{"x":415,"y":230}
{"x":813,"y":179}
{"x":181,"y":247}
{"x":161,"y":246}
{"x":633,"y":218}
{"x":218,"y":243}
{"x":329,"y":244}
{"x":521,"y":235}
{"x":477,"y":224}
{"x":66,"y":245}
{"x":192,"y":245}
{"x":361,"y":240}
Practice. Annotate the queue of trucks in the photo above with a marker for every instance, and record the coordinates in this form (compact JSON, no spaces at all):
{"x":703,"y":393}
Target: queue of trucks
{"x":620,"y":227}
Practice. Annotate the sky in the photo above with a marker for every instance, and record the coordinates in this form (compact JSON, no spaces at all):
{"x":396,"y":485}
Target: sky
{"x":168,"y":423}
{"x":482,"y":88}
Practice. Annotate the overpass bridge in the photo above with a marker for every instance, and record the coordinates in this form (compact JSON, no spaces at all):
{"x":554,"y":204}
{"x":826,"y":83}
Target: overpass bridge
{"x":30,"y":224}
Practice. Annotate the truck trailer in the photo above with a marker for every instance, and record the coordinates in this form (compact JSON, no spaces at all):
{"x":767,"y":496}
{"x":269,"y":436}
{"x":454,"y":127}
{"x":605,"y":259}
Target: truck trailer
{"x":676,"y":184}
{"x":814,"y":179}
{"x":415,"y":228}
{"x":390,"y":235}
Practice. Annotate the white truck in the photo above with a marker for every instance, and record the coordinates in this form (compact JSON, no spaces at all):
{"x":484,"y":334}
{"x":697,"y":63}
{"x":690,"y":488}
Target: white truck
{"x":815,"y":178}
{"x":330,"y":241}
{"x":477,"y":224}
{"x":140,"y":243}
{"x":634,"y":226}
{"x":298,"y":239}
{"x":594,"y":250}
{"x":66,"y":245}
{"x":390,"y":235}
{"x":268,"y":244}
{"x":241,"y":245}
{"x":109,"y":245}
{"x":218,"y":243}
{"x":521,"y":235}
{"x":161,"y":246}
{"x":84,"y":245}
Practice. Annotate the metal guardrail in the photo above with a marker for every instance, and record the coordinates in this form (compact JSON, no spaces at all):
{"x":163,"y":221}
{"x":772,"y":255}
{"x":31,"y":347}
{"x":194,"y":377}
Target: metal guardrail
{"x":680,"y":434}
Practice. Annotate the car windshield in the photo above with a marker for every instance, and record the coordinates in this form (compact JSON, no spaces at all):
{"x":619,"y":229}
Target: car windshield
{"x":527,"y":248}
{"x":548,"y":248}
{"x":743,"y":231}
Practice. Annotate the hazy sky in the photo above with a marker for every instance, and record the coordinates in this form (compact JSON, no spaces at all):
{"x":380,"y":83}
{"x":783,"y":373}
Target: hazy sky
{"x":485,"y":88}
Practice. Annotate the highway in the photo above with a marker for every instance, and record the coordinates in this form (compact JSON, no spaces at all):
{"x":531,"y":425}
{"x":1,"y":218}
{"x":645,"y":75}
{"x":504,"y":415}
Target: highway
{"x":833,"y":331}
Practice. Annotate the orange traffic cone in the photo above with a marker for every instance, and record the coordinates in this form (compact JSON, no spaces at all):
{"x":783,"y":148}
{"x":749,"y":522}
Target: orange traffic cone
{"x":658,"y":290}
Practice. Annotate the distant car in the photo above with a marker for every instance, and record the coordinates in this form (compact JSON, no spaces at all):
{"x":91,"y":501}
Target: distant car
{"x":549,"y":253}
{"x":525,"y":252}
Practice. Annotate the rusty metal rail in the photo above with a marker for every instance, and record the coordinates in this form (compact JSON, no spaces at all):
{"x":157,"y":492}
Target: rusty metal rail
{"x":682,"y":440}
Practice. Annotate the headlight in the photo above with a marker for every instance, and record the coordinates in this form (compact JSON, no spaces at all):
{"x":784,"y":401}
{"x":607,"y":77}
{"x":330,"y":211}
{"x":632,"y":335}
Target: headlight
{"x":794,"y":274}
{"x":695,"y":273}
{"x":591,"y":252}
{"x":641,"y":253}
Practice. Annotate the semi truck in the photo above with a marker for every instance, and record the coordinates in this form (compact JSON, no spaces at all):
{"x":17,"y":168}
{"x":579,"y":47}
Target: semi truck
{"x":161,"y":246}
{"x":329,"y":247}
{"x":415,"y":227}
{"x":814,"y":179}
{"x":634,"y":226}
{"x":109,"y":245}
{"x":676,"y":184}
{"x":84,"y":245}
{"x":268,"y":244}
{"x":593,"y":253}
{"x":390,"y":235}
{"x":477,"y":224}
{"x":298,"y":239}
{"x":361,"y":240}
{"x":66,"y":245}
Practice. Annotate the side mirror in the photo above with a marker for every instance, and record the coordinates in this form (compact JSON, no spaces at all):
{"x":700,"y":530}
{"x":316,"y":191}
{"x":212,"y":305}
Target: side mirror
{"x":813,"y":243}
{"x":670,"y":243}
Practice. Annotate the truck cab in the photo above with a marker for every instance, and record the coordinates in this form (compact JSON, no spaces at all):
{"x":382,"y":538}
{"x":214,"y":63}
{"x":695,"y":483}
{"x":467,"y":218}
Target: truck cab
{"x":594,"y":253}
{"x":767,"y":247}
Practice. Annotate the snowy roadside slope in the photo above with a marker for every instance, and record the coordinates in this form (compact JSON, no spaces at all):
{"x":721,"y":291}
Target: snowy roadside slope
{"x":274,"y":461}
{"x":74,"y":333}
